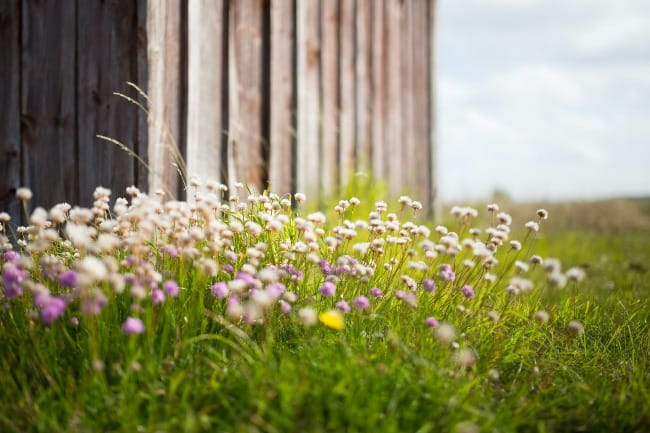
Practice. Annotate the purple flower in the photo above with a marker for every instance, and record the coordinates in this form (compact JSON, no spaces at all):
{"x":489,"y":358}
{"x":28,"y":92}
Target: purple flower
{"x":467,"y":291}
{"x":94,"y":304}
{"x":12,"y":257}
{"x":447,"y":273}
{"x":431,"y":322}
{"x":275,"y":290}
{"x":157,"y":296}
{"x":233,"y":300}
{"x":12,"y":277}
{"x":220,"y":290}
{"x":375,"y":292}
{"x":328,"y":288}
{"x":133,"y":325}
{"x":54,"y":308}
{"x":325,"y":267}
{"x":429,"y":285}
{"x":407,"y":297}
{"x":295,"y":274}
{"x":41,"y":298}
{"x":248,"y":279}
{"x":285,"y":307}
{"x":361,"y":303}
{"x":170,"y":250}
{"x":343,"y":306}
{"x":171,"y":288}
{"x":229,"y":269}
{"x":68,"y":279}
{"x":410,"y":282}
{"x":75,"y":321}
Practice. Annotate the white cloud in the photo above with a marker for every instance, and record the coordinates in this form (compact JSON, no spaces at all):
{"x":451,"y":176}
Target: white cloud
{"x":544,"y":99}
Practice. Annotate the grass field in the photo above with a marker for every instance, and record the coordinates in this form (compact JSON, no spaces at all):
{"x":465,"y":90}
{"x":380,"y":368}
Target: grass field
{"x":263,"y":318}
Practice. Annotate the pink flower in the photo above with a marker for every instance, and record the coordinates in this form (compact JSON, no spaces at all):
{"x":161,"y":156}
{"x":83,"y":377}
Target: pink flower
{"x":361,"y":303}
{"x":467,"y":291}
{"x":53,"y":309}
{"x":157,"y":296}
{"x":328,"y":288}
{"x":220,"y":290}
{"x":171,"y":288}
{"x":343,"y":306}
{"x":431,"y":322}
{"x":133,"y":326}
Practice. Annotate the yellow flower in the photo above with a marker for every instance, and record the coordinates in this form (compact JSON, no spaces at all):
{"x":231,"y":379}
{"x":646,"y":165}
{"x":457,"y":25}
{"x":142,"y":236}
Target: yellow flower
{"x":332,"y":319}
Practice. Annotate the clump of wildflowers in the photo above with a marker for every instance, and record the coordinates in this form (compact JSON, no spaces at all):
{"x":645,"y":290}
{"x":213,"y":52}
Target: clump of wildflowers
{"x":259,"y":262}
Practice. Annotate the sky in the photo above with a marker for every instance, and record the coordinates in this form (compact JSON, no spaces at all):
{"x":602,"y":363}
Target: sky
{"x":543,"y":99}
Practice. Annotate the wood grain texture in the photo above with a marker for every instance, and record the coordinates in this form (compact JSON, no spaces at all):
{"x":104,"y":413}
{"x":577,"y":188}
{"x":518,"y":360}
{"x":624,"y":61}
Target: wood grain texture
{"x":107,"y":59}
{"x":330,"y":12}
{"x":394,"y":130}
{"x":309,"y":97}
{"x":420,"y":108}
{"x":142,"y":80}
{"x":48,"y":101}
{"x":283,"y":96}
{"x":10,"y":97}
{"x":245,"y":83}
{"x":164,"y":90}
{"x":205,"y":123}
{"x":410,"y":161}
{"x":347,"y":77}
{"x":434,"y":202}
{"x":379,"y":78}
{"x":363,"y":96}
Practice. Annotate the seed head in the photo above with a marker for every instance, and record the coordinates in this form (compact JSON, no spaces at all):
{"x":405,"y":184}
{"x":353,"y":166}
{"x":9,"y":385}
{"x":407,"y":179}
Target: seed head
{"x":575,"y":328}
{"x":24,"y":194}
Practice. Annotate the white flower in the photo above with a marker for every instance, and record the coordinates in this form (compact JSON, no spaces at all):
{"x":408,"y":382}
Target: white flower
{"x":575,"y":274}
{"x":24,"y":194}
{"x":308,"y":316}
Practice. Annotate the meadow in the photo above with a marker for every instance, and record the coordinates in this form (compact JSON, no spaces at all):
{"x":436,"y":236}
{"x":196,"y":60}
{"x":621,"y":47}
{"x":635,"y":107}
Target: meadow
{"x":246,"y":312}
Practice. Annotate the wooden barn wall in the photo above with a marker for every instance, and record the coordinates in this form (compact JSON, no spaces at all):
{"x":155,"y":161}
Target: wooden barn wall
{"x":290,"y":95}
{"x":61,"y":62}
{"x":299,"y":95}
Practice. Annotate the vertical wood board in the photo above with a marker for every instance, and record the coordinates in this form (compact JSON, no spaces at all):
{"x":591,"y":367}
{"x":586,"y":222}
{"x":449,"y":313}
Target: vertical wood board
{"x":205,"y":123}
{"x":10,"y":97}
{"x":309,"y":97}
{"x":164,"y":88}
{"x":245,"y":114}
{"x":379,"y":109}
{"x":393,"y":131}
{"x":283,"y":94}
{"x":363,"y":96}
{"x":329,"y":62}
{"x":347,"y":77}
{"x":48,"y":108}
{"x":107,"y":59}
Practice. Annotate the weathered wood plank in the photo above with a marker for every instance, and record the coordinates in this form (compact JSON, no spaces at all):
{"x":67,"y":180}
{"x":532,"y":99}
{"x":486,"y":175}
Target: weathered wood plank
{"x":420,"y":109}
{"x":330,"y":84}
{"x":283,"y":96}
{"x":409,"y":158}
{"x":347,"y":77}
{"x":164,"y":89}
{"x":379,"y":75}
{"x":205,"y":123}
{"x":245,"y":82}
{"x":434,"y":202}
{"x":10,"y":97}
{"x":142,"y":80}
{"x":309,"y":96}
{"x":363,"y":95}
{"x":107,"y":59}
{"x":394,"y":128}
{"x":48,"y":101}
